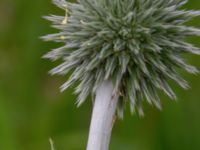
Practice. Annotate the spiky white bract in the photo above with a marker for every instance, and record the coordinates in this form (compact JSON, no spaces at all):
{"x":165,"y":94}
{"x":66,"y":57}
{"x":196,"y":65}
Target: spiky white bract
{"x":138,"y":44}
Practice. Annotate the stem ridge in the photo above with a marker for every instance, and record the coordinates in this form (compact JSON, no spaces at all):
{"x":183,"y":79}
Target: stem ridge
{"x":104,"y":111}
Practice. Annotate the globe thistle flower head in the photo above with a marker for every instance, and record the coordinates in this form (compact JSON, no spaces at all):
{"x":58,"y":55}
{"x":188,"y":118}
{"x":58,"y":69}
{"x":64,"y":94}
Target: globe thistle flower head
{"x":138,"y":44}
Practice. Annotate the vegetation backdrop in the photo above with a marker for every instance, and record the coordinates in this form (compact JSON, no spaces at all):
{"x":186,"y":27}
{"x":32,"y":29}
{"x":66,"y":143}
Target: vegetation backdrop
{"x":32,"y":109}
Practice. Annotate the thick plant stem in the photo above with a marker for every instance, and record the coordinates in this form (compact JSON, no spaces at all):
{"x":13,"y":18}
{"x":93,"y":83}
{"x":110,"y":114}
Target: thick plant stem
{"x":103,"y":116}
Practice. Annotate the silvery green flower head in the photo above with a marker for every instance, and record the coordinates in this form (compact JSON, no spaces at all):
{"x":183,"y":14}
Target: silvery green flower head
{"x":138,"y":44}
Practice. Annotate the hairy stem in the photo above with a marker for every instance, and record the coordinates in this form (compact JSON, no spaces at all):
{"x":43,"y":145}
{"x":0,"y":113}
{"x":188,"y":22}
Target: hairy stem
{"x":103,"y":116}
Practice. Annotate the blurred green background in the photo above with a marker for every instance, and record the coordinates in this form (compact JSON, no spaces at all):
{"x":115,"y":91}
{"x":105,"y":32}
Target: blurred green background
{"x":32,"y":109}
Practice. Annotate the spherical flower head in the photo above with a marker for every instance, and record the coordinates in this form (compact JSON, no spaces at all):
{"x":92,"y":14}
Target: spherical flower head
{"x":138,"y":44}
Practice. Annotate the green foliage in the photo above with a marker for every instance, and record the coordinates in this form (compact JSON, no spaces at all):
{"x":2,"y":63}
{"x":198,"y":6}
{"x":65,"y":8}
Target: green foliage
{"x":138,"y":44}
